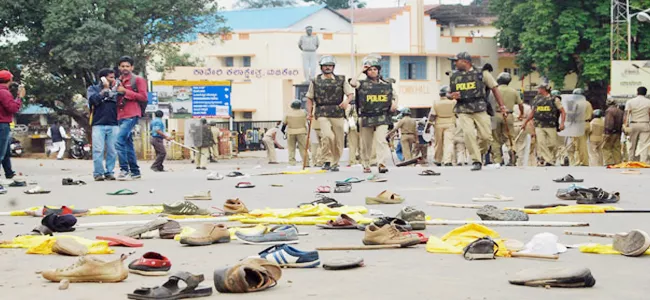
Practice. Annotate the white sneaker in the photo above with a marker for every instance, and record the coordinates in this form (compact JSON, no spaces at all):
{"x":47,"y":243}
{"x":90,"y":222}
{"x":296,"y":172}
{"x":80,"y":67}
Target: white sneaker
{"x":214,"y":176}
{"x":124,"y":177}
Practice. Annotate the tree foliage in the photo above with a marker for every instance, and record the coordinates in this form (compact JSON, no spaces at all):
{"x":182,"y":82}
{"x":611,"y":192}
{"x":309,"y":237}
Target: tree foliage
{"x":169,"y":56}
{"x":557,"y":37}
{"x":264,"y":3}
{"x":338,"y":4}
{"x":68,"y":41}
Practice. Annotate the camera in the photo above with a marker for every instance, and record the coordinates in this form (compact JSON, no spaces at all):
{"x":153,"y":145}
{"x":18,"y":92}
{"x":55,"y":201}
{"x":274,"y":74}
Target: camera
{"x":13,"y":89}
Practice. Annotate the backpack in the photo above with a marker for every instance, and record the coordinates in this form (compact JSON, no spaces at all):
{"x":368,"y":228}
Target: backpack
{"x":134,"y":87}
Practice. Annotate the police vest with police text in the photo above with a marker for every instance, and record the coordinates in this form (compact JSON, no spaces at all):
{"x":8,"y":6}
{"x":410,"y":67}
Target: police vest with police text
{"x":472,"y":91}
{"x":545,"y":112}
{"x":374,"y":101}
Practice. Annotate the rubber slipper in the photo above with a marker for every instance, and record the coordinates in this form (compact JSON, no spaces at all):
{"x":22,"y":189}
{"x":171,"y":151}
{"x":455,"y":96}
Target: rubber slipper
{"x":118,"y":240}
{"x":138,"y":230}
{"x":343,"y":188}
{"x":343,"y":263}
{"x":329,"y":202}
{"x":568,"y":178}
{"x":122,"y":192}
{"x":350,"y":180}
{"x":36,"y":190}
{"x":235,"y":174}
{"x":376,"y":178}
{"x":342,"y":222}
{"x":385,"y":197}
{"x":420,"y":235}
{"x":244,"y":185}
{"x":429,"y":173}
{"x":323,"y":189}
{"x":171,"y":289}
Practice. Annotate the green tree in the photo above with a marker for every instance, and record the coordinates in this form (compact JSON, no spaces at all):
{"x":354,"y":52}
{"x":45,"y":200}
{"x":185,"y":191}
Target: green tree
{"x":557,"y":37}
{"x":169,"y":56}
{"x":68,"y":41}
{"x":338,"y":4}
{"x":264,"y":3}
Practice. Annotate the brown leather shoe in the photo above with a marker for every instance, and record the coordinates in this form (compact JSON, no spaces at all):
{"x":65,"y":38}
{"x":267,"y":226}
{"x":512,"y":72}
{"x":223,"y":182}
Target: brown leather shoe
{"x":207,"y":234}
{"x":250,"y":275}
{"x":388,"y":235}
{"x":169,"y":230}
{"x":234,"y":206}
{"x":90,"y":269}
{"x":69,"y":246}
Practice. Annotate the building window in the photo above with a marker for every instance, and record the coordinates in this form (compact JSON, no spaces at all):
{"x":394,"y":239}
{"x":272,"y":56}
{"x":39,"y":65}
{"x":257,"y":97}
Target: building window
{"x":226,"y":37}
{"x":385,"y":67}
{"x":515,"y":71}
{"x":229,"y":61}
{"x":328,"y":36}
{"x":507,"y":70}
{"x":244,"y":36}
{"x":455,"y":39}
{"x":247,"y":115}
{"x":246,"y":61}
{"x":469,"y":40}
{"x":413,"y":67}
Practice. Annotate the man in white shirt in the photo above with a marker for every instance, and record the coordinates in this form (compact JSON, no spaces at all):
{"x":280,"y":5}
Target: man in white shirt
{"x":637,"y":119}
{"x":270,"y":143}
{"x":58,"y":136}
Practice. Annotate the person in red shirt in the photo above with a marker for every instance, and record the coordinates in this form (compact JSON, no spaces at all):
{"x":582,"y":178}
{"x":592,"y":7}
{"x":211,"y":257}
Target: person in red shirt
{"x":129,"y":113}
{"x":8,"y":107}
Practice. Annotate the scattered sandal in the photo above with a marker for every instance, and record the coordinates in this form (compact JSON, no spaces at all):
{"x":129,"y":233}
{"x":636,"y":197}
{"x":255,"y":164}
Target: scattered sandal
{"x":244,"y":185}
{"x":342,"y":222}
{"x":323,"y":189}
{"x":171,"y":290}
{"x":327,"y":201}
{"x":350,"y":180}
{"x":70,"y":181}
{"x":343,"y":188}
{"x":235,"y":174}
{"x":201,"y":195}
{"x":568,"y":178}
{"x":385,"y":197}
{"x":122,"y":192}
{"x":37,"y":190}
{"x":215,"y":176}
{"x":376,"y":178}
{"x":118,"y":240}
{"x":429,"y":173}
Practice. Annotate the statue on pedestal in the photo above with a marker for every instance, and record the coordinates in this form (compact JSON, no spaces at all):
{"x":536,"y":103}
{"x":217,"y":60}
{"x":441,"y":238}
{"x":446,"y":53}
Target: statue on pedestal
{"x":308,"y":44}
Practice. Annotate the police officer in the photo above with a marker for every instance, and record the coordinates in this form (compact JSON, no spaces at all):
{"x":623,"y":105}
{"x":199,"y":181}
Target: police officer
{"x":327,"y":91}
{"x":596,"y":134}
{"x":613,"y":129}
{"x":408,"y":133}
{"x":510,"y":98}
{"x":521,"y":137}
{"x":468,"y":86}
{"x":375,"y":100}
{"x":578,"y":151}
{"x":296,"y":129}
{"x":444,"y":128}
{"x":545,"y":109}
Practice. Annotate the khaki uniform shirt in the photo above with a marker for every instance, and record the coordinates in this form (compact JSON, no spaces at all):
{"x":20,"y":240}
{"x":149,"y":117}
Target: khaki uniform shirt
{"x":638,"y":109}
{"x":443,"y":109}
{"x":589,"y":112}
{"x":269,"y":133}
{"x":509,"y":95}
{"x":296,"y":120}
{"x":596,"y":130}
{"x":407,"y":125}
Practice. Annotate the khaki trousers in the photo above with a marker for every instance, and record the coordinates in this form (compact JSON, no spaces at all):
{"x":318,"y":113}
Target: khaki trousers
{"x":301,"y":140}
{"x":270,"y":149}
{"x":407,"y":141}
{"x":578,"y":151}
{"x":477,"y":129}
{"x":203,"y":157}
{"x":499,"y":136}
{"x":596,"y":153}
{"x":520,"y":146}
{"x":443,"y":142}
{"x":374,"y":137}
{"x":332,"y":139}
{"x":639,"y":138}
{"x":316,"y":149}
{"x":612,"y":149}
{"x":546,"y":143}
{"x":421,"y":150}
{"x":353,"y":145}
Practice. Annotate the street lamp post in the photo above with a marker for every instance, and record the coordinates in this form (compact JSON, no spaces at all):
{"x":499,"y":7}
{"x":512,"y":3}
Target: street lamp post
{"x":641,"y":16}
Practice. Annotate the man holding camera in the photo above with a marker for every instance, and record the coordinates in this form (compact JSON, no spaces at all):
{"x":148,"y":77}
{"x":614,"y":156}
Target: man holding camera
{"x":102,"y":99}
{"x":8,"y":107}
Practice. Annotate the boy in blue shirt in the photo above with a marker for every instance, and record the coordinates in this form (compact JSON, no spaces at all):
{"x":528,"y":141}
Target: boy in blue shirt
{"x":157,"y":136}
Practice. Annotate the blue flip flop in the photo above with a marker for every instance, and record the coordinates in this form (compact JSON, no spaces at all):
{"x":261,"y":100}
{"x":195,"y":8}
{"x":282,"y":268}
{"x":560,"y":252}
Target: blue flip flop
{"x":350,"y":180}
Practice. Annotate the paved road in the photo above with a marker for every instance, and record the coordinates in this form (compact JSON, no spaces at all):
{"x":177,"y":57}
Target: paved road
{"x":388,"y":274}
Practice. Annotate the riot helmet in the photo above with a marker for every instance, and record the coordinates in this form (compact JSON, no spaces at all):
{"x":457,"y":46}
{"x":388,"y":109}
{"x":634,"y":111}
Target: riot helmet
{"x":578,"y":91}
{"x":327,"y":60}
{"x":296,"y":104}
{"x":444,"y":90}
{"x":504,"y":78}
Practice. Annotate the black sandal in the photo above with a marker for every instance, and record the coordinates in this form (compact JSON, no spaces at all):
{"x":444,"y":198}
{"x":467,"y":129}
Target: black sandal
{"x":171,"y":291}
{"x":429,"y":173}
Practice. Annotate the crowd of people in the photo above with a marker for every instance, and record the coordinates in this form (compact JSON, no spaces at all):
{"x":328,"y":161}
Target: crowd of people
{"x":476,"y":120}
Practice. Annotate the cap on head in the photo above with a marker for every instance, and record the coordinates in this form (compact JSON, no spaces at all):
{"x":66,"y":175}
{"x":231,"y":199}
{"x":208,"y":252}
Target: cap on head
{"x":578,"y":91}
{"x":327,"y":60}
{"x":444,"y":90}
{"x":6,"y":76}
{"x":462,"y":56}
{"x":296,"y":104}
{"x":504,"y":78}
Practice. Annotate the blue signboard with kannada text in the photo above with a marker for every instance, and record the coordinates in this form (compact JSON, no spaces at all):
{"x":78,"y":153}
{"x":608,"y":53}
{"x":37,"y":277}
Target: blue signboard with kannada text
{"x":211,"y":101}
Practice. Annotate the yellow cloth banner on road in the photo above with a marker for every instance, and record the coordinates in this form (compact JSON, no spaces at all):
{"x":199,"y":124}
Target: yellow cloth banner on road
{"x":43,"y":244}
